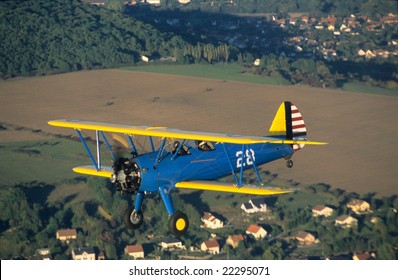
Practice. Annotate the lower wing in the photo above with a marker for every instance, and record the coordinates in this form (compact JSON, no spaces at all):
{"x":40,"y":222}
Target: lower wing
{"x":230,"y":187}
{"x":105,"y":171}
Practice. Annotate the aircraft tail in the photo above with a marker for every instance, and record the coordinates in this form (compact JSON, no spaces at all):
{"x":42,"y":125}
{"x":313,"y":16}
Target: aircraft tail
{"x":289,"y":124}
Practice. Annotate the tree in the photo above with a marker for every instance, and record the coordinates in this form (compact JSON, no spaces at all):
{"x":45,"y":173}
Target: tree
{"x":115,"y":5}
{"x":386,"y":252}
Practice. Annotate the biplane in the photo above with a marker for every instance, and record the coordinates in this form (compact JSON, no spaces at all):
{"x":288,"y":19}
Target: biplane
{"x":189,"y":160}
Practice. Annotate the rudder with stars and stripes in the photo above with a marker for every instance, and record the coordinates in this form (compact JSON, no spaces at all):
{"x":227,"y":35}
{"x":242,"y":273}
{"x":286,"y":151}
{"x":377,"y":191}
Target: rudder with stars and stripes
{"x":289,"y":122}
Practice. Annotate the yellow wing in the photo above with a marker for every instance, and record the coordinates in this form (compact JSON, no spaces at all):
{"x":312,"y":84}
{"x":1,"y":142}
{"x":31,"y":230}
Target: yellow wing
{"x":165,"y":132}
{"x":105,"y":171}
{"x":229,"y":187}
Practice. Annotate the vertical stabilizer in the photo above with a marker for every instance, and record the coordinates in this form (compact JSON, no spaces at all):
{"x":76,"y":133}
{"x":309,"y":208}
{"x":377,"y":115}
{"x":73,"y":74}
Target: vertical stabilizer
{"x":289,"y":124}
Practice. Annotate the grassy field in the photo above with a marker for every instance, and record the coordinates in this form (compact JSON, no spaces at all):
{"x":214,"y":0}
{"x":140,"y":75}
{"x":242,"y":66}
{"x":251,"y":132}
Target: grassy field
{"x":235,"y":72}
{"x":357,"y":87}
{"x":47,"y":161}
{"x":231,"y":72}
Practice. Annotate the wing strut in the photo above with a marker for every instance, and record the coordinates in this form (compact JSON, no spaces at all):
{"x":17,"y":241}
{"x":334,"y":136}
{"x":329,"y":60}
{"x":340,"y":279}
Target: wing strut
{"x":132,"y":144}
{"x":151,"y":141}
{"x":160,"y":152}
{"x":230,"y":164}
{"x":108,"y":145}
{"x":97,"y":163}
{"x":253,"y":160}
{"x":246,"y":153}
{"x":178,"y":150}
{"x":90,"y":154}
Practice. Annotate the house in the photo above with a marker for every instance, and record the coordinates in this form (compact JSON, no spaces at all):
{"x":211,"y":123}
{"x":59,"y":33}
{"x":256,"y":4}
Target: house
{"x":329,"y":53}
{"x":234,"y":240}
{"x":322,"y":210}
{"x":259,"y":204}
{"x":361,"y":52}
{"x":135,"y":251}
{"x":363,"y":256}
{"x":211,"y":246}
{"x":145,"y":58}
{"x":171,"y":244}
{"x":248,"y":208}
{"x":101,"y":255}
{"x":256,"y":231}
{"x":257,"y":62}
{"x":254,"y":206}
{"x":86,"y":253}
{"x":66,"y":234}
{"x":359,"y":206}
{"x":304,"y":18}
{"x":95,"y":2}
{"x":345,"y":221}
{"x":305,"y":238}
{"x":212,"y":222}
{"x":382,"y":53}
{"x":369,"y":54}
{"x":43,"y":254}
{"x":153,"y":2}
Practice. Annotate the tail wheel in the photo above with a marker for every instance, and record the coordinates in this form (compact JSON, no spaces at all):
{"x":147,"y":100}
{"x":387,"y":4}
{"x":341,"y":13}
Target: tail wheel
{"x":289,"y":163}
{"x":178,"y":223}
{"x":133,"y":219}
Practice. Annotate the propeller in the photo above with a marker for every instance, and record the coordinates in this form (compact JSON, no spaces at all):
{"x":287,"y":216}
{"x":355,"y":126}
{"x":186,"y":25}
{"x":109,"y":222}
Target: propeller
{"x":120,"y":146}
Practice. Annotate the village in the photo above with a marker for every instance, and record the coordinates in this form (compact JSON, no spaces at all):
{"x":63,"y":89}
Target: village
{"x":220,"y":247}
{"x":294,"y":35}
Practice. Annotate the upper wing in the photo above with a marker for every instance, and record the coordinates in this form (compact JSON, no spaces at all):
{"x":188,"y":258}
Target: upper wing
{"x":229,"y":187}
{"x":165,"y":132}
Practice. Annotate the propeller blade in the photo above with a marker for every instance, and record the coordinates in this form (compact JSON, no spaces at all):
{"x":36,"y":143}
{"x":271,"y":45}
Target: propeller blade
{"x":120,"y":139}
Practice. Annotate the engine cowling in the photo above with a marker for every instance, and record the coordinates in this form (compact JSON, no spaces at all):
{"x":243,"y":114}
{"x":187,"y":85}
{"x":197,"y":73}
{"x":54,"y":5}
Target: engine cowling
{"x":126,"y":175}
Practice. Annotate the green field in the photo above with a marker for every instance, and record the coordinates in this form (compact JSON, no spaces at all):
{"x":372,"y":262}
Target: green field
{"x":47,"y":161}
{"x":236,"y":72}
{"x":357,"y":87}
{"x":230,"y":72}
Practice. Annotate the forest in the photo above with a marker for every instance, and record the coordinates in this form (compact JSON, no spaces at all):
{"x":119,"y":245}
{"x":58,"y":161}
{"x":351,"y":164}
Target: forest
{"x":44,"y":37}
{"x":29,"y":220}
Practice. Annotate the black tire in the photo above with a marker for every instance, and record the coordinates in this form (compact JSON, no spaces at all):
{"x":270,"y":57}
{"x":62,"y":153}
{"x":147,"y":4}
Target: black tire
{"x":133,"y":219}
{"x":289,"y":163}
{"x":178,"y":223}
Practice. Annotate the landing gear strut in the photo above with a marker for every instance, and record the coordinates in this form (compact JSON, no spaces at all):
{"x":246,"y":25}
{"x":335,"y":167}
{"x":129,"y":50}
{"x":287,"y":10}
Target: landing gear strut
{"x":133,"y":219}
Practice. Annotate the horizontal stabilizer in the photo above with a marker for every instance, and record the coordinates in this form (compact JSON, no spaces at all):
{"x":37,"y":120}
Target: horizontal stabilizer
{"x":105,"y":171}
{"x":230,"y":187}
{"x":297,"y":142}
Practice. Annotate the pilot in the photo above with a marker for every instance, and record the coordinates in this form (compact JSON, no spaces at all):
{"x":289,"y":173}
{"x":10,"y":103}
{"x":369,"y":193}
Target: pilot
{"x":204,"y":145}
{"x":183,"y":150}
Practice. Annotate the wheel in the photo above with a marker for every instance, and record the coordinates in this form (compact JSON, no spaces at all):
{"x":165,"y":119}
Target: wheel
{"x":133,"y":219}
{"x":178,"y":223}
{"x":289,"y":163}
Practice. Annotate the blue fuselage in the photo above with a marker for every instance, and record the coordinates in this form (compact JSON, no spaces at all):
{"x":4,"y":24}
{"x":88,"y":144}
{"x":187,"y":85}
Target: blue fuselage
{"x":204,"y":165}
